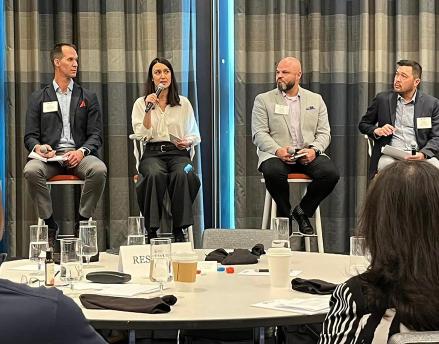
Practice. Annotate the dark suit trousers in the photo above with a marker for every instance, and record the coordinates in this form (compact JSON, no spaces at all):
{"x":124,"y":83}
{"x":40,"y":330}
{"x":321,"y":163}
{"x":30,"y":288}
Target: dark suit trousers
{"x":322,"y":171}
{"x":161,"y":171}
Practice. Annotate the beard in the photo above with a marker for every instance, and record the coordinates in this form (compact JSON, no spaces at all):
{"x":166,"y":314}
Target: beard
{"x":285,"y":87}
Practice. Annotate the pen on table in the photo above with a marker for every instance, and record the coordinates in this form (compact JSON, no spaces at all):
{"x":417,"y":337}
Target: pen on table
{"x":56,"y":274}
{"x":262,"y":270}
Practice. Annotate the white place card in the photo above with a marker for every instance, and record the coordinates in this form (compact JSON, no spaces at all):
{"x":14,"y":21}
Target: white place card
{"x":134,"y":259}
{"x":207,"y":266}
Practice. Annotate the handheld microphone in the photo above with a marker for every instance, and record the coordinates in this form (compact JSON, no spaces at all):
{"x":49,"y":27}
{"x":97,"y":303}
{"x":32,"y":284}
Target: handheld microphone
{"x":188,"y":168}
{"x":158,"y":90}
{"x":413,"y":148}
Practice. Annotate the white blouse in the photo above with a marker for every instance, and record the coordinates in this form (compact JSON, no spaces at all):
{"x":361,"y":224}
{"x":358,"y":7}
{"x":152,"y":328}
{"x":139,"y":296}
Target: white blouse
{"x":178,"y":121}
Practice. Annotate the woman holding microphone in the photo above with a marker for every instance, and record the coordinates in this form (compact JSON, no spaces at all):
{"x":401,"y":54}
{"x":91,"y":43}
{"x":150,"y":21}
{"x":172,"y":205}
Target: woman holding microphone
{"x":166,"y":123}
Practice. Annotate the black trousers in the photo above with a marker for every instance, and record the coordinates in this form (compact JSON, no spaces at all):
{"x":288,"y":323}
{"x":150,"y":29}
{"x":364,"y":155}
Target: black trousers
{"x":322,"y":170}
{"x":161,"y":171}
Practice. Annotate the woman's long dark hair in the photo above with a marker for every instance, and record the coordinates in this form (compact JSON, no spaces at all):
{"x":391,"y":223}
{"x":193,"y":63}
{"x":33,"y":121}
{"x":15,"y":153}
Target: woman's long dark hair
{"x":400,"y":223}
{"x":173,"y":97}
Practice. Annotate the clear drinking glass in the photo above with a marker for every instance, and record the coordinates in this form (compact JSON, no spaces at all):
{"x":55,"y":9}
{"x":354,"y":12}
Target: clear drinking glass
{"x":88,"y":223}
{"x":88,"y":237}
{"x":136,"y":230}
{"x":71,"y":261}
{"x":38,"y":244}
{"x":160,"y":264}
{"x":281,"y":234}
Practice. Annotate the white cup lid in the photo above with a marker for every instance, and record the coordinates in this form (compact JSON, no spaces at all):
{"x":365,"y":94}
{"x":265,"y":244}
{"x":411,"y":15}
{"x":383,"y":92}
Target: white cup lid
{"x":185,"y":256}
{"x":279,"y":251}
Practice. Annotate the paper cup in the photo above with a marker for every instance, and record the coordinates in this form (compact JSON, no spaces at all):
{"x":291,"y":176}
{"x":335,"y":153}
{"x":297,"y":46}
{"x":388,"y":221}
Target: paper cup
{"x":184,"y":266}
{"x":279,"y":260}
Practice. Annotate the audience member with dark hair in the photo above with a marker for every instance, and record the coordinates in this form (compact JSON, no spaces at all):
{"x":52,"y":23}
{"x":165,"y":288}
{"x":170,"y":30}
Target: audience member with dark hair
{"x":170,"y":133}
{"x":400,"y":289}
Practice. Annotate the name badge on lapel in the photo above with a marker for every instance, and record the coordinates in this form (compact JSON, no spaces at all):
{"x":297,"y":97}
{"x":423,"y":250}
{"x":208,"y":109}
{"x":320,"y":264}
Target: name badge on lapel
{"x":50,"y":106}
{"x":423,"y":122}
{"x":281,"y":109}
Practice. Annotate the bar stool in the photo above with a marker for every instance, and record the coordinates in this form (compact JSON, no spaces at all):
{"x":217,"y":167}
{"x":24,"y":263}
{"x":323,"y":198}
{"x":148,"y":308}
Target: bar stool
{"x":63,"y":179}
{"x":270,"y":208}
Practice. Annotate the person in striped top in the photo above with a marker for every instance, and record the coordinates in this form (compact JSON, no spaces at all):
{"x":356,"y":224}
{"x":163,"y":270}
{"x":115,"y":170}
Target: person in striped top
{"x":399,"y":292}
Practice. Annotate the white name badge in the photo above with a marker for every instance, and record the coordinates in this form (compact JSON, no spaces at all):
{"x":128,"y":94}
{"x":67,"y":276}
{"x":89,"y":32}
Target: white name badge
{"x":281,"y":109}
{"x":134,"y":259}
{"x":50,"y":106}
{"x":423,"y":122}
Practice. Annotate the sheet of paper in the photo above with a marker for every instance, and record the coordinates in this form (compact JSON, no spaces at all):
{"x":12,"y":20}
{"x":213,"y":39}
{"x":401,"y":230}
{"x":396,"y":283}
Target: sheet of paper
{"x":311,"y":305}
{"x":256,"y":272}
{"x":122,"y":290}
{"x":395,"y":152}
{"x":174,"y":139}
{"x":33,"y":155}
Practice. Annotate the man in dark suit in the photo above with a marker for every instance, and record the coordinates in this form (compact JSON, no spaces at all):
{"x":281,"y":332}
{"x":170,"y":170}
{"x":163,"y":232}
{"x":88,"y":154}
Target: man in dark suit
{"x":64,"y":119}
{"x":404,"y":118}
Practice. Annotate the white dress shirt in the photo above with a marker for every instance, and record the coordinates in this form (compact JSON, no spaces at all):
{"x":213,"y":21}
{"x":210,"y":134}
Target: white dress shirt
{"x":176,"y":120}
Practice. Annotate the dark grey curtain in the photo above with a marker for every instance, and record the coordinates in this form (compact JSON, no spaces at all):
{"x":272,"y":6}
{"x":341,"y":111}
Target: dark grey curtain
{"x":116,"y":40}
{"x":348,"y":51}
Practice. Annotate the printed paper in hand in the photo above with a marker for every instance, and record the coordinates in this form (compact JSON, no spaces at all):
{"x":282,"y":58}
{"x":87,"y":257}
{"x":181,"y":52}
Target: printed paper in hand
{"x":174,"y":139}
{"x":33,"y":155}
{"x":395,"y":152}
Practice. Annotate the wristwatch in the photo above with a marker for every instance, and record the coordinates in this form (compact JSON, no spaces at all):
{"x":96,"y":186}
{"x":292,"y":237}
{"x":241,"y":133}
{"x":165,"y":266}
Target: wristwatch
{"x":318,"y":151}
{"x":84,"y":151}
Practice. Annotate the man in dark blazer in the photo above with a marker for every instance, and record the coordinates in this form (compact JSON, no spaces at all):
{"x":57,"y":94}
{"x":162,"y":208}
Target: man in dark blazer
{"x":64,"y":120}
{"x":291,"y":120}
{"x":404,"y":118}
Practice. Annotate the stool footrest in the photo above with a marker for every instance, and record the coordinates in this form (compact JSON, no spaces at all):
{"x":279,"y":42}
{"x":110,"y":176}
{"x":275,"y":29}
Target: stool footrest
{"x":300,"y":234}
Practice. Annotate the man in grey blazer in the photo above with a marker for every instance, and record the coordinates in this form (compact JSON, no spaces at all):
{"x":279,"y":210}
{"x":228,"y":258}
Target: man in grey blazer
{"x":287,"y":122}
{"x":64,"y":119}
{"x":404,"y":118}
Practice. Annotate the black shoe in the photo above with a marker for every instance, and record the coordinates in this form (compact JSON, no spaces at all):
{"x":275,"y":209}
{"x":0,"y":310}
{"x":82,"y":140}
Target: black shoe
{"x":178,"y":235}
{"x":93,"y":259}
{"x":302,"y":220}
{"x":52,"y":235}
{"x":151,"y":234}
{"x":76,"y":230}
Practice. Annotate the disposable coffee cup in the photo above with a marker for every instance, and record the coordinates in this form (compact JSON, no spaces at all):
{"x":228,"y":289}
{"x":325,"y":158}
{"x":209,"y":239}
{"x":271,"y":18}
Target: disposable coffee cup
{"x":279,"y":259}
{"x":184,"y":266}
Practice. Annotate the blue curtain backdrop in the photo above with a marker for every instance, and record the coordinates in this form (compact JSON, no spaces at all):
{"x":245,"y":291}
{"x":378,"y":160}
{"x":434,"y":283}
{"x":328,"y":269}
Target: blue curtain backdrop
{"x":2,"y":114}
{"x":116,"y":41}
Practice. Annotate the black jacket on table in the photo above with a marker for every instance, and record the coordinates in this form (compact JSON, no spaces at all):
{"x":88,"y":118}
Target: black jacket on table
{"x":382,"y":111}
{"x":46,"y":127}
